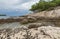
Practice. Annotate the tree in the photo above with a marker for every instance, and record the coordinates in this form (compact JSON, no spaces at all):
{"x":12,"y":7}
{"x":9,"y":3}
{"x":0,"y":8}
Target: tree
{"x":45,"y":5}
{"x":2,"y":15}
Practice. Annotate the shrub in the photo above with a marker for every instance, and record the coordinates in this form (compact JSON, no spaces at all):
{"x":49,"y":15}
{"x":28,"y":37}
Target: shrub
{"x":45,"y":5}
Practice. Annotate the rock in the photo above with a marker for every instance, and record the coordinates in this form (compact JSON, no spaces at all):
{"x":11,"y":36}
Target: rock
{"x":24,"y":27}
{"x":24,"y":21}
{"x":43,"y":32}
{"x":34,"y":25}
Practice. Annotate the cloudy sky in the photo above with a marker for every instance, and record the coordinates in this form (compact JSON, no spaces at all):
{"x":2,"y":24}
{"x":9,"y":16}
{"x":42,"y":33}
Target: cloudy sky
{"x":16,"y":7}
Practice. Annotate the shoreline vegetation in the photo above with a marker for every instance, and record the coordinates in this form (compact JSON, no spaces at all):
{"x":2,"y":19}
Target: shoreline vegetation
{"x":43,"y":5}
{"x":3,"y":15}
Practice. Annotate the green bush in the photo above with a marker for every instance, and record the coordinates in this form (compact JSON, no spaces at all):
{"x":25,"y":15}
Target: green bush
{"x":45,"y":5}
{"x":57,"y":2}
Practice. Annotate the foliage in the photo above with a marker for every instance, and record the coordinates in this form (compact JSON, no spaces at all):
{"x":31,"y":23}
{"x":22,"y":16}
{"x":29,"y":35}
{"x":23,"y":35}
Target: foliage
{"x":2,"y":15}
{"x":45,"y":5}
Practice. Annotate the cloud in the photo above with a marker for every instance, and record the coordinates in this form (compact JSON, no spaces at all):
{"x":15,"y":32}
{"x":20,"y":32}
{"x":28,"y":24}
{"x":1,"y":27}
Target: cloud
{"x":16,"y":7}
{"x":16,"y":4}
{"x":27,"y":5}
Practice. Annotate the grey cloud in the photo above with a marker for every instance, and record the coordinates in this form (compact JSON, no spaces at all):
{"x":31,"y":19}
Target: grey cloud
{"x":23,"y":1}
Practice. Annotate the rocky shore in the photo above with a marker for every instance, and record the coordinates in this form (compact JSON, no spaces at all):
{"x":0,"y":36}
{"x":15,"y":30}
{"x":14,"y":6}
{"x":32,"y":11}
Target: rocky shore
{"x":43,"y":32}
{"x":41,"y":25}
